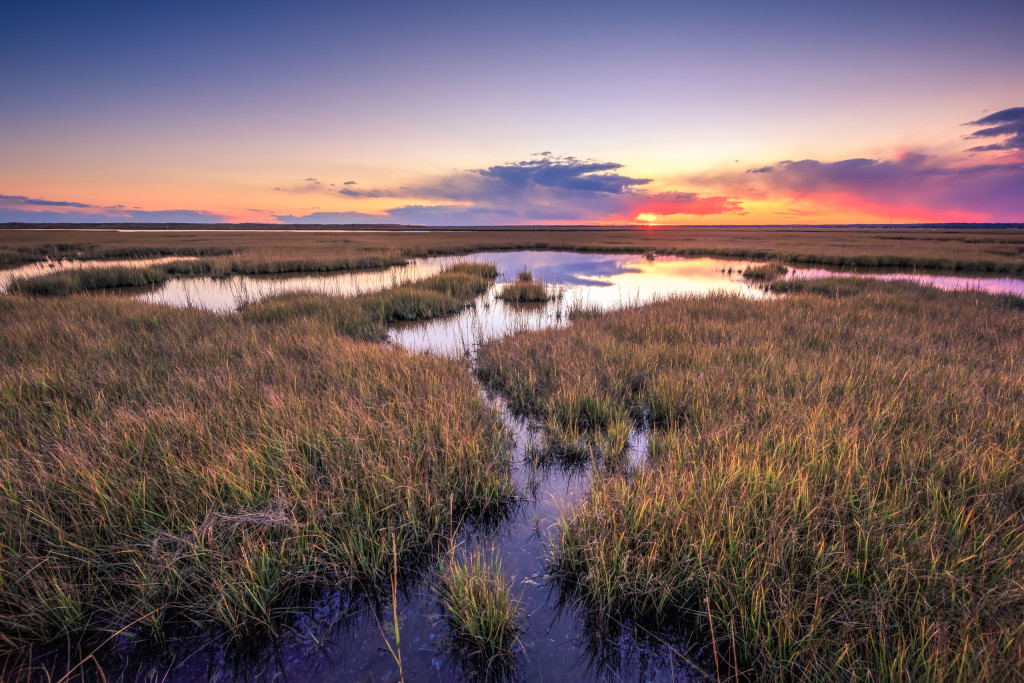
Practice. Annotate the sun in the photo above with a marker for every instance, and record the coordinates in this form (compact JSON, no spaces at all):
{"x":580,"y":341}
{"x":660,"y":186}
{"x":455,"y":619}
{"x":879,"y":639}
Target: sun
{"x":647,"y":217}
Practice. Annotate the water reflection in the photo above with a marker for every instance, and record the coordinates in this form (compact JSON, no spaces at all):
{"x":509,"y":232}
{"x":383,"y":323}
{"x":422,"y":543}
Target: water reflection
{"x":604,"y":281}
{"x":57,"y":265}
{"x":581,"y":279}
{"x":993,"y":285}
{"x":223,"y":295}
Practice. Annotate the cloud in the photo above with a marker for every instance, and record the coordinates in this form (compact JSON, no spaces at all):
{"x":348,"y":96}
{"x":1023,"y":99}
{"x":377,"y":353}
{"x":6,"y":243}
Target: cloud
{"x":334,"y":217}
{"x":176,"y":216}
{"x":545,"y":179}
{"x":543,"y":189}
{"x":453,"y":215}
{"x":1007,"y":123}
{"x":8,"y":200}
{"x":564,"y":173}
{"x":15,"y":212}
{"x":689,"y":203}
{"x":913,"y":181}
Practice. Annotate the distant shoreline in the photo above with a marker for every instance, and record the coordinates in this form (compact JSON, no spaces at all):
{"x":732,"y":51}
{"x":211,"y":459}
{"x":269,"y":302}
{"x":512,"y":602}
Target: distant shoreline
{"x":365,"y":227}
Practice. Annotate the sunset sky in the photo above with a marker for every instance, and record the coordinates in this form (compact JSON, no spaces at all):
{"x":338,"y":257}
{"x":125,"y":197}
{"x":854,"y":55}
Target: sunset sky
{"x":487,"y":113}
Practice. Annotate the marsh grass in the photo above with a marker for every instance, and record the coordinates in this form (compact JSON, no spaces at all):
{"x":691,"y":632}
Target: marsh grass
{"x":253,"y":262}
{"x":267,"y":262}
{"x":483,"y":616}
{"x":160,"y":464}
{"x":994,"y":249}
{"x":84,"y":279}
{"x":524,"y":290}
{"x":30,"y":253}
{"x":835,"y":287}
{"x":835,"y":487}
{"x":368,"y":316}
{"x":766,"y":272}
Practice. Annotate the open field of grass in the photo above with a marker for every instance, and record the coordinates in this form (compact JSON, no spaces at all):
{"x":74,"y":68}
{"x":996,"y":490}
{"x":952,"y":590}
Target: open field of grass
{"x":978,"y":250}
{"x":160,"y":463}
{"x":835,"y":486}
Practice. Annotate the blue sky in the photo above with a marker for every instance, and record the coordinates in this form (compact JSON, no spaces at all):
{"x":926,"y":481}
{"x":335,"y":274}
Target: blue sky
{"x":139,"y":109}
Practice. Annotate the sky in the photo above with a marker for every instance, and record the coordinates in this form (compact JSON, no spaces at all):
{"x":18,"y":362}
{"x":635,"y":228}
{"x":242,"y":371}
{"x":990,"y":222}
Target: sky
{"x":515,"y":113}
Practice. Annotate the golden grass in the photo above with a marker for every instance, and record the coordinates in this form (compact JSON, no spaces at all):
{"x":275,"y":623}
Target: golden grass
{"x":158,"y":463}
{"x":368,"y":316}
{"x":836,"y":483}
{"x":524,"y":290}
{"x":77,"y":280}
{"x":766,"y":272}
{"x":254,"y":262}
{"x":980,"y":250}
{"x":483,"y":617}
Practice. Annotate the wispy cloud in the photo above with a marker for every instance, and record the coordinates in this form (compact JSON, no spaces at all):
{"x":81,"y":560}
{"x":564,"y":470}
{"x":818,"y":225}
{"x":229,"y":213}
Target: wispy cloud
{"x":912,"y":181}
{"x":21,"y":209}
{"x":1008,"y":123}
{"x":332,"y":217}
{"x":9,"y":200}
{"x":963,"y":187}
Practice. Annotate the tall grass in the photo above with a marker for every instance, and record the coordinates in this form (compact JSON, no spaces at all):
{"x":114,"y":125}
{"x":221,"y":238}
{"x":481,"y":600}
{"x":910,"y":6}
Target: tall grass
{"x":267,"y":262}
{"x":159,"y":463}
{"x":940,"y":248}
{"x":484,"y":618}
{"x":43,"y":250}
{"x":368,"y":316}
{"x":252,"y":263}
{"x":836,"y":486}
{"x":524,"y":289}
{"x":84,"y":279}
{"x":766,"y":272}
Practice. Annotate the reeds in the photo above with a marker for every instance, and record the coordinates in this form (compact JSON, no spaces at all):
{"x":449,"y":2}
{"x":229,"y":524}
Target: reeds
{"x":524,"y":290}
{"x":252,"y":263}
{"x":83,"y":279}
{"x":835,"y":483}
{"x":992,"y":249}
{"x":159,"y":463}
{"x":765,"y":272}
{"x":267,"y":262}
{"x":484,"y":618}
{"x":368,"y":316}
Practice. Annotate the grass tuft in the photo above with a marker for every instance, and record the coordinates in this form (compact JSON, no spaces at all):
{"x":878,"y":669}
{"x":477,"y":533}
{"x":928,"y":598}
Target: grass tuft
{"x":766,"y":272}
{"x":484,"y":618}
{"x":524,"y":290}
